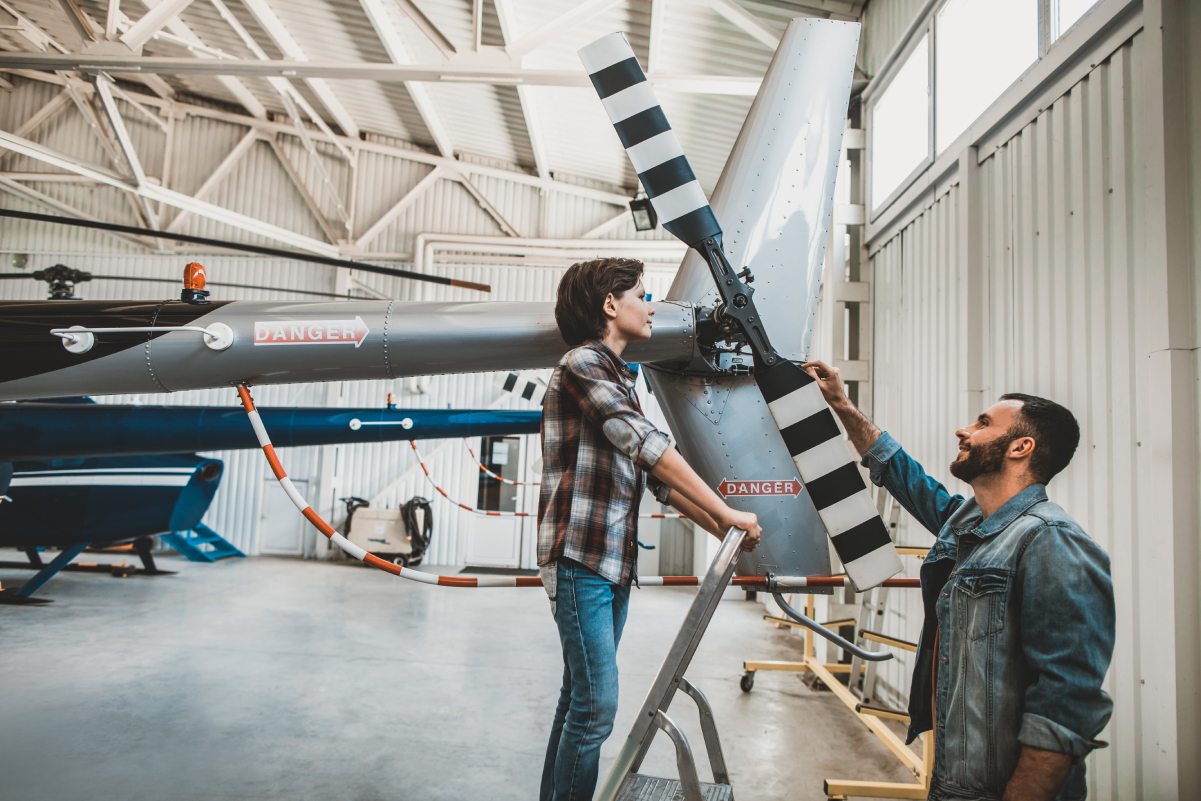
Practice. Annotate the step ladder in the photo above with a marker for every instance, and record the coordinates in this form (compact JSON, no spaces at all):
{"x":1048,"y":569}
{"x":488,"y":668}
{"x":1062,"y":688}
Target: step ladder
{"x":192,"y":544}
{"x":625,"y":783}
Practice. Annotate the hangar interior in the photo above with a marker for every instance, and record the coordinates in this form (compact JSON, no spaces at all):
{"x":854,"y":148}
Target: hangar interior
{"x":1017,"y":199}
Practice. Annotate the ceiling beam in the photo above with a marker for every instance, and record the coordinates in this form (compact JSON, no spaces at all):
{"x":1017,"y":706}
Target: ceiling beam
{"x":388,"y":217}
{"x":30,"y":32}
{"x":507,"y":15}
{"x":394,"y":44}
{"x":486,"y":205}
{"x":309,"y":201}
{"x":654,"y":56}
{"x":125,"y":143}
{"x":79,"y":21}
{"x":217,"y":176}
{"x":235,"y":87}
{"x":111,"y":17}
{"x":747,"y":21}
{"x":169,"y":197}
{"x":145,"y":112}
{"x":440,"y":73}
{"x":35,"y":196}
{"x":284,"y":88}
{"x":269,"y":128}
{"x":427,"y":27}
{"x":291,"y":49}
{"x":152,"y":22}
{"x":558,"y":26}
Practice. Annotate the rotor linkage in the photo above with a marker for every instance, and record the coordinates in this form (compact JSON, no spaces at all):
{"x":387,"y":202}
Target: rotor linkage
{"x":735,"y":317}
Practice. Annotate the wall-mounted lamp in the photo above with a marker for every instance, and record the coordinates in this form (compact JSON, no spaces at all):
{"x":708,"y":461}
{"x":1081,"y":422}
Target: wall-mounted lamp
{"x":645,"y":218}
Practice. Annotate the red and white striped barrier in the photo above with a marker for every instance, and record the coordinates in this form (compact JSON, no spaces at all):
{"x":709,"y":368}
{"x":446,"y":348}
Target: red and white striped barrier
{"x":473,"y":510}
{"x":501,"y":479}
{"x":786,"y":582}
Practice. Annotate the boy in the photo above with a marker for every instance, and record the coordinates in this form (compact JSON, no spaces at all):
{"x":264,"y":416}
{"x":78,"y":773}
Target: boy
{"x":597,"y":448}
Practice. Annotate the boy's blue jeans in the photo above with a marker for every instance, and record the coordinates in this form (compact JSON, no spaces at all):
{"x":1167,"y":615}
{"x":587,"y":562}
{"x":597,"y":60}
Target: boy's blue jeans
{"x":590,"y":613}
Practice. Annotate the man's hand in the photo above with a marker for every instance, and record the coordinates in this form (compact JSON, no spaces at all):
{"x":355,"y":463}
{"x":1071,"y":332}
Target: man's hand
{"x":829,"y":380}
{"x":1038,"y":776}
{"x":861,"y":431}
{"x":744,"y":520}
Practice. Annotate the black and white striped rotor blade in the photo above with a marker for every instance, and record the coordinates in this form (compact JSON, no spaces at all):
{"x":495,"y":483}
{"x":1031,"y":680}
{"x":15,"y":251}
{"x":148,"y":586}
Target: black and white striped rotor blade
{"x":649,"y":140}
{"x":832,"y":479}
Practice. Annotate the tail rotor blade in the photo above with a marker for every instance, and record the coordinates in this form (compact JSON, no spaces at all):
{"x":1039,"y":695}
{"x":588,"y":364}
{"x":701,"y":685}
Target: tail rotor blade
{"x":815,"y":444}
{"x":805,"y":422}
{"x":649,"y":141}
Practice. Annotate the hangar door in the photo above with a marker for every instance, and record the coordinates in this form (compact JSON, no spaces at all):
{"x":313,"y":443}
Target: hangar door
{"x":496,"y":541}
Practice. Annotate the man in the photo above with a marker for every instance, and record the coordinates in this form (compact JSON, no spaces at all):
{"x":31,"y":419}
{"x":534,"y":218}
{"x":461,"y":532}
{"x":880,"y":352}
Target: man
{"x":597,"y":448}
{"x":1019,"y":604}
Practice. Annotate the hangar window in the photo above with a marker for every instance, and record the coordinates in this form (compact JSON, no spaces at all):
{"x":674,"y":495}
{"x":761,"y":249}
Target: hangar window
{"x":901,"y":124}
{"x":958,"y":60}
{"x":981,"y":47}
{"x":1065,"y":14}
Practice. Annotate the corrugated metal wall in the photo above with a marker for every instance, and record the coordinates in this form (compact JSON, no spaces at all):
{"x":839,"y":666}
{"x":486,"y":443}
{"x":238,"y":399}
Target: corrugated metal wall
{"x":1061,"y":219}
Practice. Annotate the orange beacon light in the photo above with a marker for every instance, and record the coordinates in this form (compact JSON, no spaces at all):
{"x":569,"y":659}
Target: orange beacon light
{"x":193,"y":284}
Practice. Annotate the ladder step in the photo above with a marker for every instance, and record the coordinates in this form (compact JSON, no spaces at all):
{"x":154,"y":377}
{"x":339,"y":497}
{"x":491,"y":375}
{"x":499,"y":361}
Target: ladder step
{"x":638,"y":787}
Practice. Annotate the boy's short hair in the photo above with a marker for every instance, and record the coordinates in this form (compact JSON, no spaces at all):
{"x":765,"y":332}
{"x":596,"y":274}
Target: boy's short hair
{"x":580,"y":300}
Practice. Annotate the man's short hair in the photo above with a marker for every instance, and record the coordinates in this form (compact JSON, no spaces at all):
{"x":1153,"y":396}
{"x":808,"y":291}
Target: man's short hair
{"x":580,"y":301}
{"x":1052,"y":427}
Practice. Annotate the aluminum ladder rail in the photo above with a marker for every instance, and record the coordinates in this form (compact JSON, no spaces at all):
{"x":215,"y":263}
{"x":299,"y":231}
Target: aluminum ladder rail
{"x":624,"y":781}
{"x":871,"y":612}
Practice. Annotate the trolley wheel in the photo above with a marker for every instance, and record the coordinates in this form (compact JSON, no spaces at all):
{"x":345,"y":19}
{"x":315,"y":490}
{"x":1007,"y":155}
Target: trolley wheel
{"x":748,"y":681}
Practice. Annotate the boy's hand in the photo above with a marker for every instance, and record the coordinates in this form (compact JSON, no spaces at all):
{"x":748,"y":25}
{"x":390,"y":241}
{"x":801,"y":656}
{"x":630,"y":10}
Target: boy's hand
{"x":747,"y":522}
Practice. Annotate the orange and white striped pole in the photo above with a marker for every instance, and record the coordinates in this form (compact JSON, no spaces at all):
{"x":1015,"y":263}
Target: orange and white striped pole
{"x":786,"y":582}
{"x":473,"y":510}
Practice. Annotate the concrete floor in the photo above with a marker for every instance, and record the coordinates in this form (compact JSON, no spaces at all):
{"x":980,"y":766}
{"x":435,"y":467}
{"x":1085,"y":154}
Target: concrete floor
{"x":283,"y":679}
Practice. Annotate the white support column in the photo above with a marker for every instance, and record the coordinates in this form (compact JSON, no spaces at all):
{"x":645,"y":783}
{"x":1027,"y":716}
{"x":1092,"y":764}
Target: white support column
{"x":973,"y":266}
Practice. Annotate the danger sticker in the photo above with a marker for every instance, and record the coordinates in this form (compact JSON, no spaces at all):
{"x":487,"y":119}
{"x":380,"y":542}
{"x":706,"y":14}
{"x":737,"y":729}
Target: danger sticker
{"x":311,"y":332}
{"x":729,"y":488}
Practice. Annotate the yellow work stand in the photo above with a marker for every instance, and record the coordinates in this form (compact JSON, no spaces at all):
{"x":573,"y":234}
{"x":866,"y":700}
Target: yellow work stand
{"x":871,"y":716}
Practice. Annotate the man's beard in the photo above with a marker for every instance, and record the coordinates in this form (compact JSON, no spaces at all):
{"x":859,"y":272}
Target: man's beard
{"x":981,"y":460}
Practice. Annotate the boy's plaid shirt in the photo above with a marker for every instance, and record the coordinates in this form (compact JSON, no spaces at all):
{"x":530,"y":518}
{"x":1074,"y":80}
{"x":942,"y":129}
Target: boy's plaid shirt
{"x":597,"y":448}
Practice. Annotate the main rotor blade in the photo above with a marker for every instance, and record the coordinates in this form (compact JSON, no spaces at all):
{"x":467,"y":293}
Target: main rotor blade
{"x":221,"y":243}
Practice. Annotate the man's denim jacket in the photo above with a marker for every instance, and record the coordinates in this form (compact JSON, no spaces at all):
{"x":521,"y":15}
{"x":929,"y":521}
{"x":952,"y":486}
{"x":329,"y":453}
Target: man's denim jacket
{"x":1024,"y":605}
